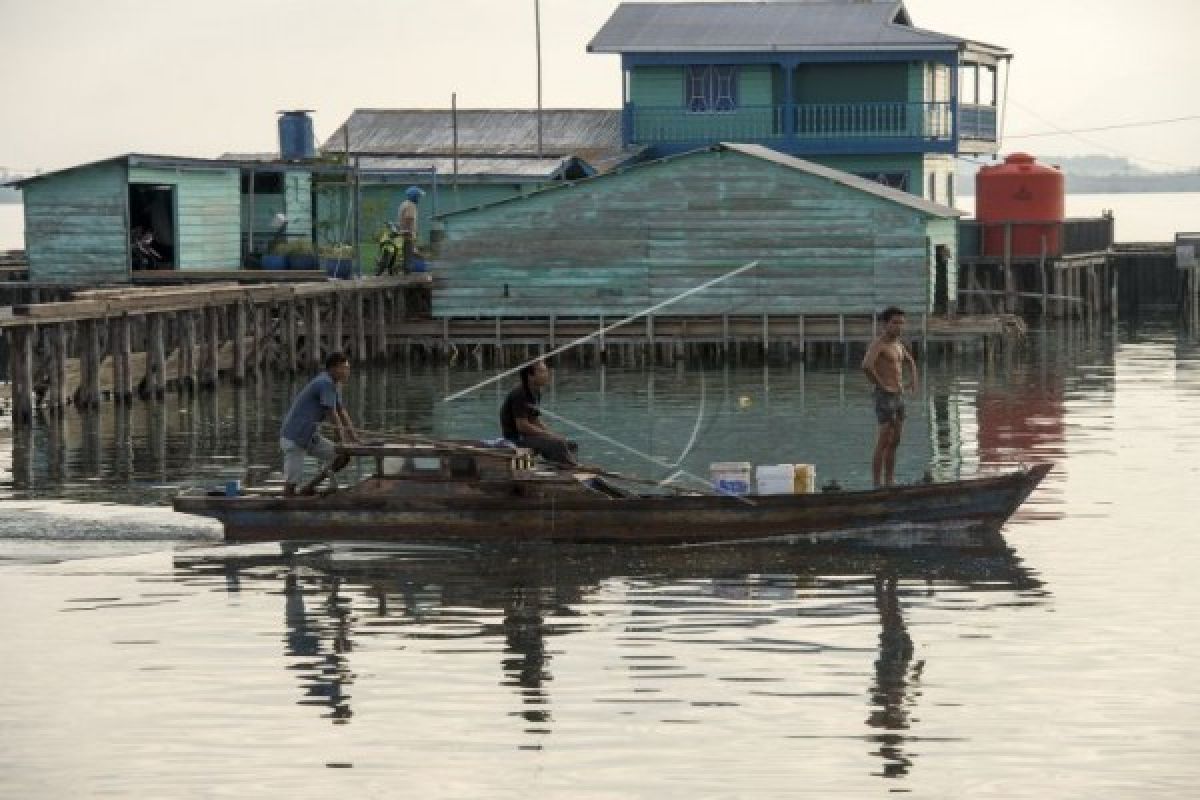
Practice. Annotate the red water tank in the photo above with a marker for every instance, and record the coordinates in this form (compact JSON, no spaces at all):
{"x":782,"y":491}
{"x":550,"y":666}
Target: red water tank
{"x":1030,"y":196}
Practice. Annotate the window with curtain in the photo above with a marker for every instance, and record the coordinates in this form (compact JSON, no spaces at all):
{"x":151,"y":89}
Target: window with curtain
{"x":710,"y":87}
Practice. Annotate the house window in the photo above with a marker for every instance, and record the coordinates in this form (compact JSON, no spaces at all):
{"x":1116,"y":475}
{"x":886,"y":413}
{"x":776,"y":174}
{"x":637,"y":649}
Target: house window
{"x":711,"y":88}
{"x":264,"y":183}
{"x":896,"y":180}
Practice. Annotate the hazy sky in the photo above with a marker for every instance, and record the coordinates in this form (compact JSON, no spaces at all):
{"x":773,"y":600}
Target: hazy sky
{"x":87,"y":79}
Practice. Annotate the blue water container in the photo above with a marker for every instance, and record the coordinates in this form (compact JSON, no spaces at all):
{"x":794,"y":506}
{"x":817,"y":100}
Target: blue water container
{"x":296,"y":140}
{"x":418,"y":265}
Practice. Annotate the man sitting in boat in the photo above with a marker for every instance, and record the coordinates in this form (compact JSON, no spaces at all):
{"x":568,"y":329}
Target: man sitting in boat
{"x":299,"y":435}
{"x":519,"y":418}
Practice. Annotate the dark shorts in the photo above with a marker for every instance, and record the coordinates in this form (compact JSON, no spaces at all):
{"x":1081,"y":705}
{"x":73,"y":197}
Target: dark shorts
{"x":889,"y":406}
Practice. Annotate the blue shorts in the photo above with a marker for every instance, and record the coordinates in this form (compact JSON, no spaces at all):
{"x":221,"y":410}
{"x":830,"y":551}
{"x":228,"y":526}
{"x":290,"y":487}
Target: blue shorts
{"x":889,"y":406}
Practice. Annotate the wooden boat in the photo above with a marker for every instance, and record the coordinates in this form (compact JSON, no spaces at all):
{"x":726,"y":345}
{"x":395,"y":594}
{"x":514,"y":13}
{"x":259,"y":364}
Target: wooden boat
{"x":444,"y":490}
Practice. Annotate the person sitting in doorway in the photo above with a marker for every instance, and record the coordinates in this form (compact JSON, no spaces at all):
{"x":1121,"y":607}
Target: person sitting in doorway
{"x":520,"y":423}
{"x":299,"y":435}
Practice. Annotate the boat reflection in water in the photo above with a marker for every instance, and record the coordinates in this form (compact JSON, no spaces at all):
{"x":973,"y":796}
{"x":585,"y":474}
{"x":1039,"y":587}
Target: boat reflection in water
{"x":773,"y":610}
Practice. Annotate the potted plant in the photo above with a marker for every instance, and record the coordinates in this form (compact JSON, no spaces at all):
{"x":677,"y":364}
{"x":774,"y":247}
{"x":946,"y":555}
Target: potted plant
{"x":300,"y":255}
{"x":276,"y":258}
{"x":337,"y":260}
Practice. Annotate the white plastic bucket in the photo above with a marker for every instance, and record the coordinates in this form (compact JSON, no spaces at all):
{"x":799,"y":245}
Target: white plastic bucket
{"x":731,"y":477}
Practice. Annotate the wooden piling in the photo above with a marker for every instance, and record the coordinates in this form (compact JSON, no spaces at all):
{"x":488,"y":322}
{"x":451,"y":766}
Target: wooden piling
{"x":380,"y":327}
{"x":212,"y":348}
{"x":360,"y":327}
{"x":57,"y":395}
{"x":239,"y":344}
{"x":312,"y":333}
{"x":187,"y":351}
{"x":21,"y":362}
{"x":154,"y":380}
{"x":290,"y":335}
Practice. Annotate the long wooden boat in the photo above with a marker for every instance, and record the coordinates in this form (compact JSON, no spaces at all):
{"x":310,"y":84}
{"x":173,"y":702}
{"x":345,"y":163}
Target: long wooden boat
{"x":442,"y":491}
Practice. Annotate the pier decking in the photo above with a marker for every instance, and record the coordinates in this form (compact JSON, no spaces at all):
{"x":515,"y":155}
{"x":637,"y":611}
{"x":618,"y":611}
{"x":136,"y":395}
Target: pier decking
{"x":125,"y":340}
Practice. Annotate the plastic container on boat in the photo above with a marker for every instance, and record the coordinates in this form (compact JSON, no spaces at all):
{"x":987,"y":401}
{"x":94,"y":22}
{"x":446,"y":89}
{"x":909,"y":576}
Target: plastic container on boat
{"x":731,"y":477}
{"x":785,"y":479}
{"x":233,"y":488}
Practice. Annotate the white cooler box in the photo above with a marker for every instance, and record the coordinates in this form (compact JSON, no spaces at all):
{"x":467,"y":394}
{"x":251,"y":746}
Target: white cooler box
{"x":785,"y":479}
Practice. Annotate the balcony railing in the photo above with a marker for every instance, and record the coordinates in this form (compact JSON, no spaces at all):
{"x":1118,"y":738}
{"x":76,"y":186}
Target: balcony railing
{"x":977,"y":122}
{"x":805,"y":122}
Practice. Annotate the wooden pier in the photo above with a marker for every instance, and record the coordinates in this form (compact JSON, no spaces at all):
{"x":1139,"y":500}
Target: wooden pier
{"x":128,"y":341}
{"x":664,"y":339}
{"x":1075,"y":279}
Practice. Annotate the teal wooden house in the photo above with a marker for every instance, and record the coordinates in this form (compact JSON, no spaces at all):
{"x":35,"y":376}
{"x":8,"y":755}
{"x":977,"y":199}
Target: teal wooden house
{"x":827,"y":242}
{"x":851,"y":84}
{"x":201,"y":213}
{"x":460,"y":159}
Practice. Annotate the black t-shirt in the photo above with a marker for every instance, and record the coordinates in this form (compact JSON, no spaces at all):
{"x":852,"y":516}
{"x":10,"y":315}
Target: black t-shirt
{"x":520,"y":404}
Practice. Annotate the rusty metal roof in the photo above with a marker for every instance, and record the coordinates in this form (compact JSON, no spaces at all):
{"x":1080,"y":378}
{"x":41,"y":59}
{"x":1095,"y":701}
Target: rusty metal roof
{"x":793,"y":25}
{"x":591,"y":134}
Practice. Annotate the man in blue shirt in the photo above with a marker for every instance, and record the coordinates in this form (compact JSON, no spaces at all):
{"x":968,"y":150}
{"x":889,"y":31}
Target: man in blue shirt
{"x":299,"y":435}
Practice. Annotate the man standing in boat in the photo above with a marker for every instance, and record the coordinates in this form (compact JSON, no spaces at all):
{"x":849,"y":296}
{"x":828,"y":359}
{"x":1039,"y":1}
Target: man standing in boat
{"x":299,"y":435}
{"x":519,"y":418}
{"x":884,"y":366}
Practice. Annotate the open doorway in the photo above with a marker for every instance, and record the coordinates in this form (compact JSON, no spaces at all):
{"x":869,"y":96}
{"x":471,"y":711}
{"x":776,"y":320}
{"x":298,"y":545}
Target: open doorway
{"x":941,"y":285}
{"x":152,"y":226}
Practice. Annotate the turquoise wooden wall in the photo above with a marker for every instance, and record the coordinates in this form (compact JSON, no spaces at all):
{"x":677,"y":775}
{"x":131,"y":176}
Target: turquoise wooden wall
{"x":761,"y":84}
{"x":663,"y":88}
{"x":75,"y":226}
{"x":381,"y":204}
{"x":207,"y":213}
{"x":851,"y":83}
{"x":619,"y":243}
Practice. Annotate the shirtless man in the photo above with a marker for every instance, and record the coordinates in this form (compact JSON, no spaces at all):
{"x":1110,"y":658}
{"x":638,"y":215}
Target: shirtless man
{"x":884,"y":365}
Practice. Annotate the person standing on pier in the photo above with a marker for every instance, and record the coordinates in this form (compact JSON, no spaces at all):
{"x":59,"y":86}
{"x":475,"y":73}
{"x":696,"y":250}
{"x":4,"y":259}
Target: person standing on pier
{"x":407,"y":223}
{"x":519,"y":421}
{"x":299,"y":435}
{"x":884,"y":366}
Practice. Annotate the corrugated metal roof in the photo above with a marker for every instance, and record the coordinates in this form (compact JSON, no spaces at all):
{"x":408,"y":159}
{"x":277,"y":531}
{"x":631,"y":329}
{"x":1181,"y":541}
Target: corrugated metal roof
{"x":480,"y":168}
{"x":767,"y":154}
{"x":759,"y":26}
{"x":481,"y":132}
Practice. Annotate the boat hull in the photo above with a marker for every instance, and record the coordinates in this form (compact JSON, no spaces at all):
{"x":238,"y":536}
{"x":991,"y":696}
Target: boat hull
{"x":958,"y":514}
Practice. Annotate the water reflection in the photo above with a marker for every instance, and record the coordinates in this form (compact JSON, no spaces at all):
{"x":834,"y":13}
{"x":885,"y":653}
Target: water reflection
{"x":340,"y":599}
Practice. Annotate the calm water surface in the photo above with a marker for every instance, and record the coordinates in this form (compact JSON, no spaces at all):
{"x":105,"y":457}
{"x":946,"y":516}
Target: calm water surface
{"x":144,"y":659}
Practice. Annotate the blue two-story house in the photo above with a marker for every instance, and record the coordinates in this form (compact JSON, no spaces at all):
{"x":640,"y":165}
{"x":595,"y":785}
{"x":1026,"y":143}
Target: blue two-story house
{"x":851,"y":84}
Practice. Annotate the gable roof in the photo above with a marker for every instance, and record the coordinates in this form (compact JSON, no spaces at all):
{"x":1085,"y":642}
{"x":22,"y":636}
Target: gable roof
{"x":227,"y":161}
{"x":592,"y":134}
{"x":897,"y":196}
{"x":846,"y":179}
{"x":793,"y":25}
